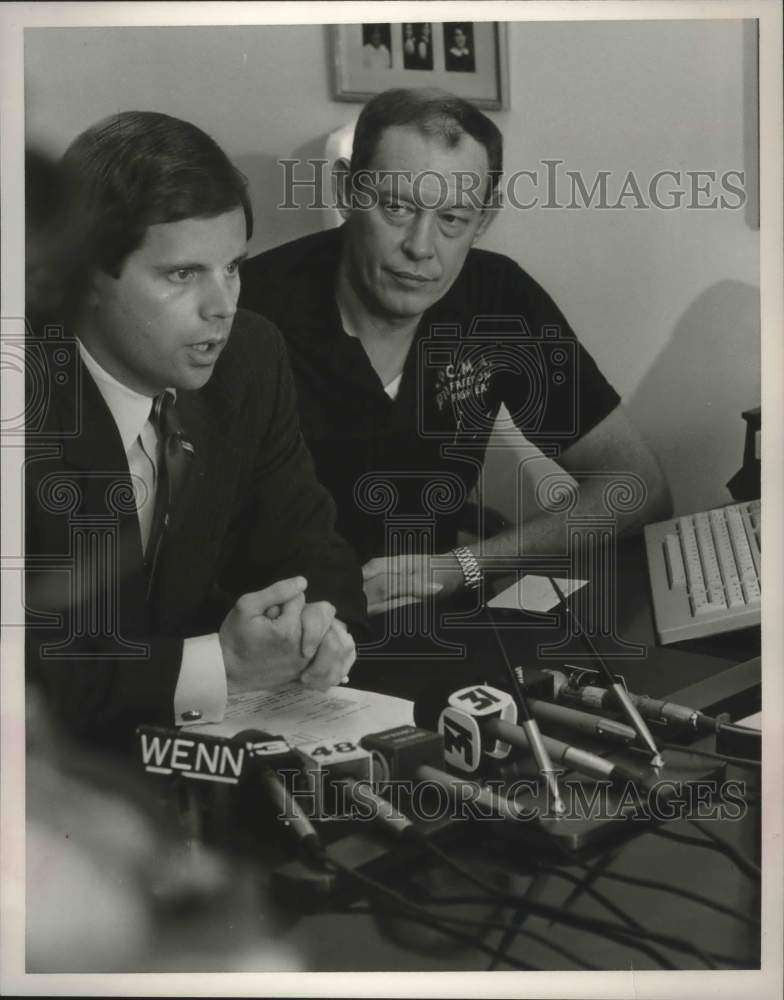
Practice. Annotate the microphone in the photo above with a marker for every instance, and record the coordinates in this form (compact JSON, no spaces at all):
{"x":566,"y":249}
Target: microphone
{"x":654,"y":709}
{"x":362,"y":794}
{"x":583,"y":722}
{"x":266,"y":755}
{"x":517,"y":677}
{"x":665,"y":712}
{"x":326,"y":767}
{"x":231,"y":760}
{"x":480,"y":721}
{"x":622,"y":698}
{"x":413,"y":753}
{"x":199,"y":756}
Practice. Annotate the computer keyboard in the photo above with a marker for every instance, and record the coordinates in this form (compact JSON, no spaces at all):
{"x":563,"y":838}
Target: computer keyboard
{"x":705,"y":572}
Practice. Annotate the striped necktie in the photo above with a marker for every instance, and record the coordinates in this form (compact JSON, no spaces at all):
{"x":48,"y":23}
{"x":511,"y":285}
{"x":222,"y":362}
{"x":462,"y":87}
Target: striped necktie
{"x":175,"y":457}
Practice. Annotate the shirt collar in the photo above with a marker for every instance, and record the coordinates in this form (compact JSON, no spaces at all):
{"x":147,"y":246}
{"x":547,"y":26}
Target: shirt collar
{"x":129,"y":408}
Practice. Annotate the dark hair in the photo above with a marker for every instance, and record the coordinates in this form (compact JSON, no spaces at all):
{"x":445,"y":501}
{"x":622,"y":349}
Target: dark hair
{"x":136,"y":169}
{"x":43,"y":190}
{"x":433,"y":112}
{"x":45,"y":252}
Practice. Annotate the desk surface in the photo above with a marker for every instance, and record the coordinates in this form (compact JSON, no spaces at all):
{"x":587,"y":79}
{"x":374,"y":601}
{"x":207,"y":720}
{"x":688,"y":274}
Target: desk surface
{"x":405,"y":666}
{"x":359,"y":939}
{"x":250,"y":928}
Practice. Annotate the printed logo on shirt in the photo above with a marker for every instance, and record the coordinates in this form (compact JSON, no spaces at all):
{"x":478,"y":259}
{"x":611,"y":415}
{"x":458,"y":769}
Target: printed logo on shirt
{"x":459,"y":382}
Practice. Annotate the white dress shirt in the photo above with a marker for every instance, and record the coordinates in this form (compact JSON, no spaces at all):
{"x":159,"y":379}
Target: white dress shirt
{"x":201,"y":692}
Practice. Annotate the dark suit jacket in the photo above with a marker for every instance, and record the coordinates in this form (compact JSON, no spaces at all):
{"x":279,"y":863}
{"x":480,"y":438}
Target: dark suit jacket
{"x":251,"y":512}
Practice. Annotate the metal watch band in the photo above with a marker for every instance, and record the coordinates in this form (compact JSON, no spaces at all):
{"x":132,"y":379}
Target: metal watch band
{"x":472,"y":573}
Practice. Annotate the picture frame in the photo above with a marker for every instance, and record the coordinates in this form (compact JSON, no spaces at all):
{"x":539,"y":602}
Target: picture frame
{"x":467,"y":58}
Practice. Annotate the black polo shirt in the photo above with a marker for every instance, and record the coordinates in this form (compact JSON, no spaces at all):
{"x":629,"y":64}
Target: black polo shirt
{"x":402,"y":468}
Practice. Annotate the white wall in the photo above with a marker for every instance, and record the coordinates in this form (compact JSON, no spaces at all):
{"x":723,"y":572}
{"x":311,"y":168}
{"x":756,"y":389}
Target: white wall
{"x":667,"y":301}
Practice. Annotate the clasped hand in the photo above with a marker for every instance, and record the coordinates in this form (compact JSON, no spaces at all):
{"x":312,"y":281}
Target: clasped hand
{"x":272,"y":637}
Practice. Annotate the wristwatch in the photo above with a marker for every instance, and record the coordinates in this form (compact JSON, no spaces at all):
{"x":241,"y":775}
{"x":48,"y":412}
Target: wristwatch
{"x":472,"y":573}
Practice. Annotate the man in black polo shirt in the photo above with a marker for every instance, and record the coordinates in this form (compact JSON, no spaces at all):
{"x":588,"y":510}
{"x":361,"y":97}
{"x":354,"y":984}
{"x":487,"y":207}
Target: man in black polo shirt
{"x":405,"y":341}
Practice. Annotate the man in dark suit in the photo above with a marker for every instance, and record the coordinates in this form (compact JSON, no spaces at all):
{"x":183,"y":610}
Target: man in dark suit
{"x":179,"y":546}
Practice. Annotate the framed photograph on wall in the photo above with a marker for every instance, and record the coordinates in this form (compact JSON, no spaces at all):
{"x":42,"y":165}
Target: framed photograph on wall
{"x":468,"y":58}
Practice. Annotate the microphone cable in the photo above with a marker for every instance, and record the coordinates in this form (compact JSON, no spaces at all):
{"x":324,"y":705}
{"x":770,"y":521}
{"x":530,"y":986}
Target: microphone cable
{"x":592,"y":925}
{"x":586,"y":888}
{"x":316,"y":853}
{"x":616,"y":932}
{"x":744,"y":863}
{"x":715,"y":843}
{"x":519,"y":917}
{"x":712,"y":755}
{"x":704,"y":955}
{"x":403,"y":829}
{"x":683,"y":838}
{"x":628,"y":936}
{"x":364,"y":909}
{"x":710,"y":724}
{"x":676,"y":944}
{"x":655,"y":884}
{"x":412,"y":834}
{"x":455,"y":865}
{"x":733,"y":727}
{"x":421,"y":914}
{"x":596,"y":894}
{"x":583,"y":963}
{"x":645,"y":883}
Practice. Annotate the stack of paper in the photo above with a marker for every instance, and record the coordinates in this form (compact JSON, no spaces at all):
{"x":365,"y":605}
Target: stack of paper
{"x":305,"y":716}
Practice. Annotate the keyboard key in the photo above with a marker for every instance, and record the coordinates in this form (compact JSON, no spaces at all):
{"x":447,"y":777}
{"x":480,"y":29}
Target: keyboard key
{"x":740,"y":545}
{"x":726,"y":556}
{"x":674,"y":560}
{"x":696,"y":581}
{"x":699,"y":602}
{"x":716,"y":597}
{"x":752,"y":540}
{"x":735,"y":598}
{"x":710,"y":563}
{"x":751,"y":591}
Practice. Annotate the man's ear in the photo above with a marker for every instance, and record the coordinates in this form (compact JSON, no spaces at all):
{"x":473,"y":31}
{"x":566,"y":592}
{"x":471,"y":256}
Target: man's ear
{"x":92,"y":294}
{"x":341,"y":181}
{"x":96,"y":287}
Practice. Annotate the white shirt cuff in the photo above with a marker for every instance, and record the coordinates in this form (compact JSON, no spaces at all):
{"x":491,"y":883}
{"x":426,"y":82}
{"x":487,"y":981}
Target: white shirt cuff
{"x":200,"y":695}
